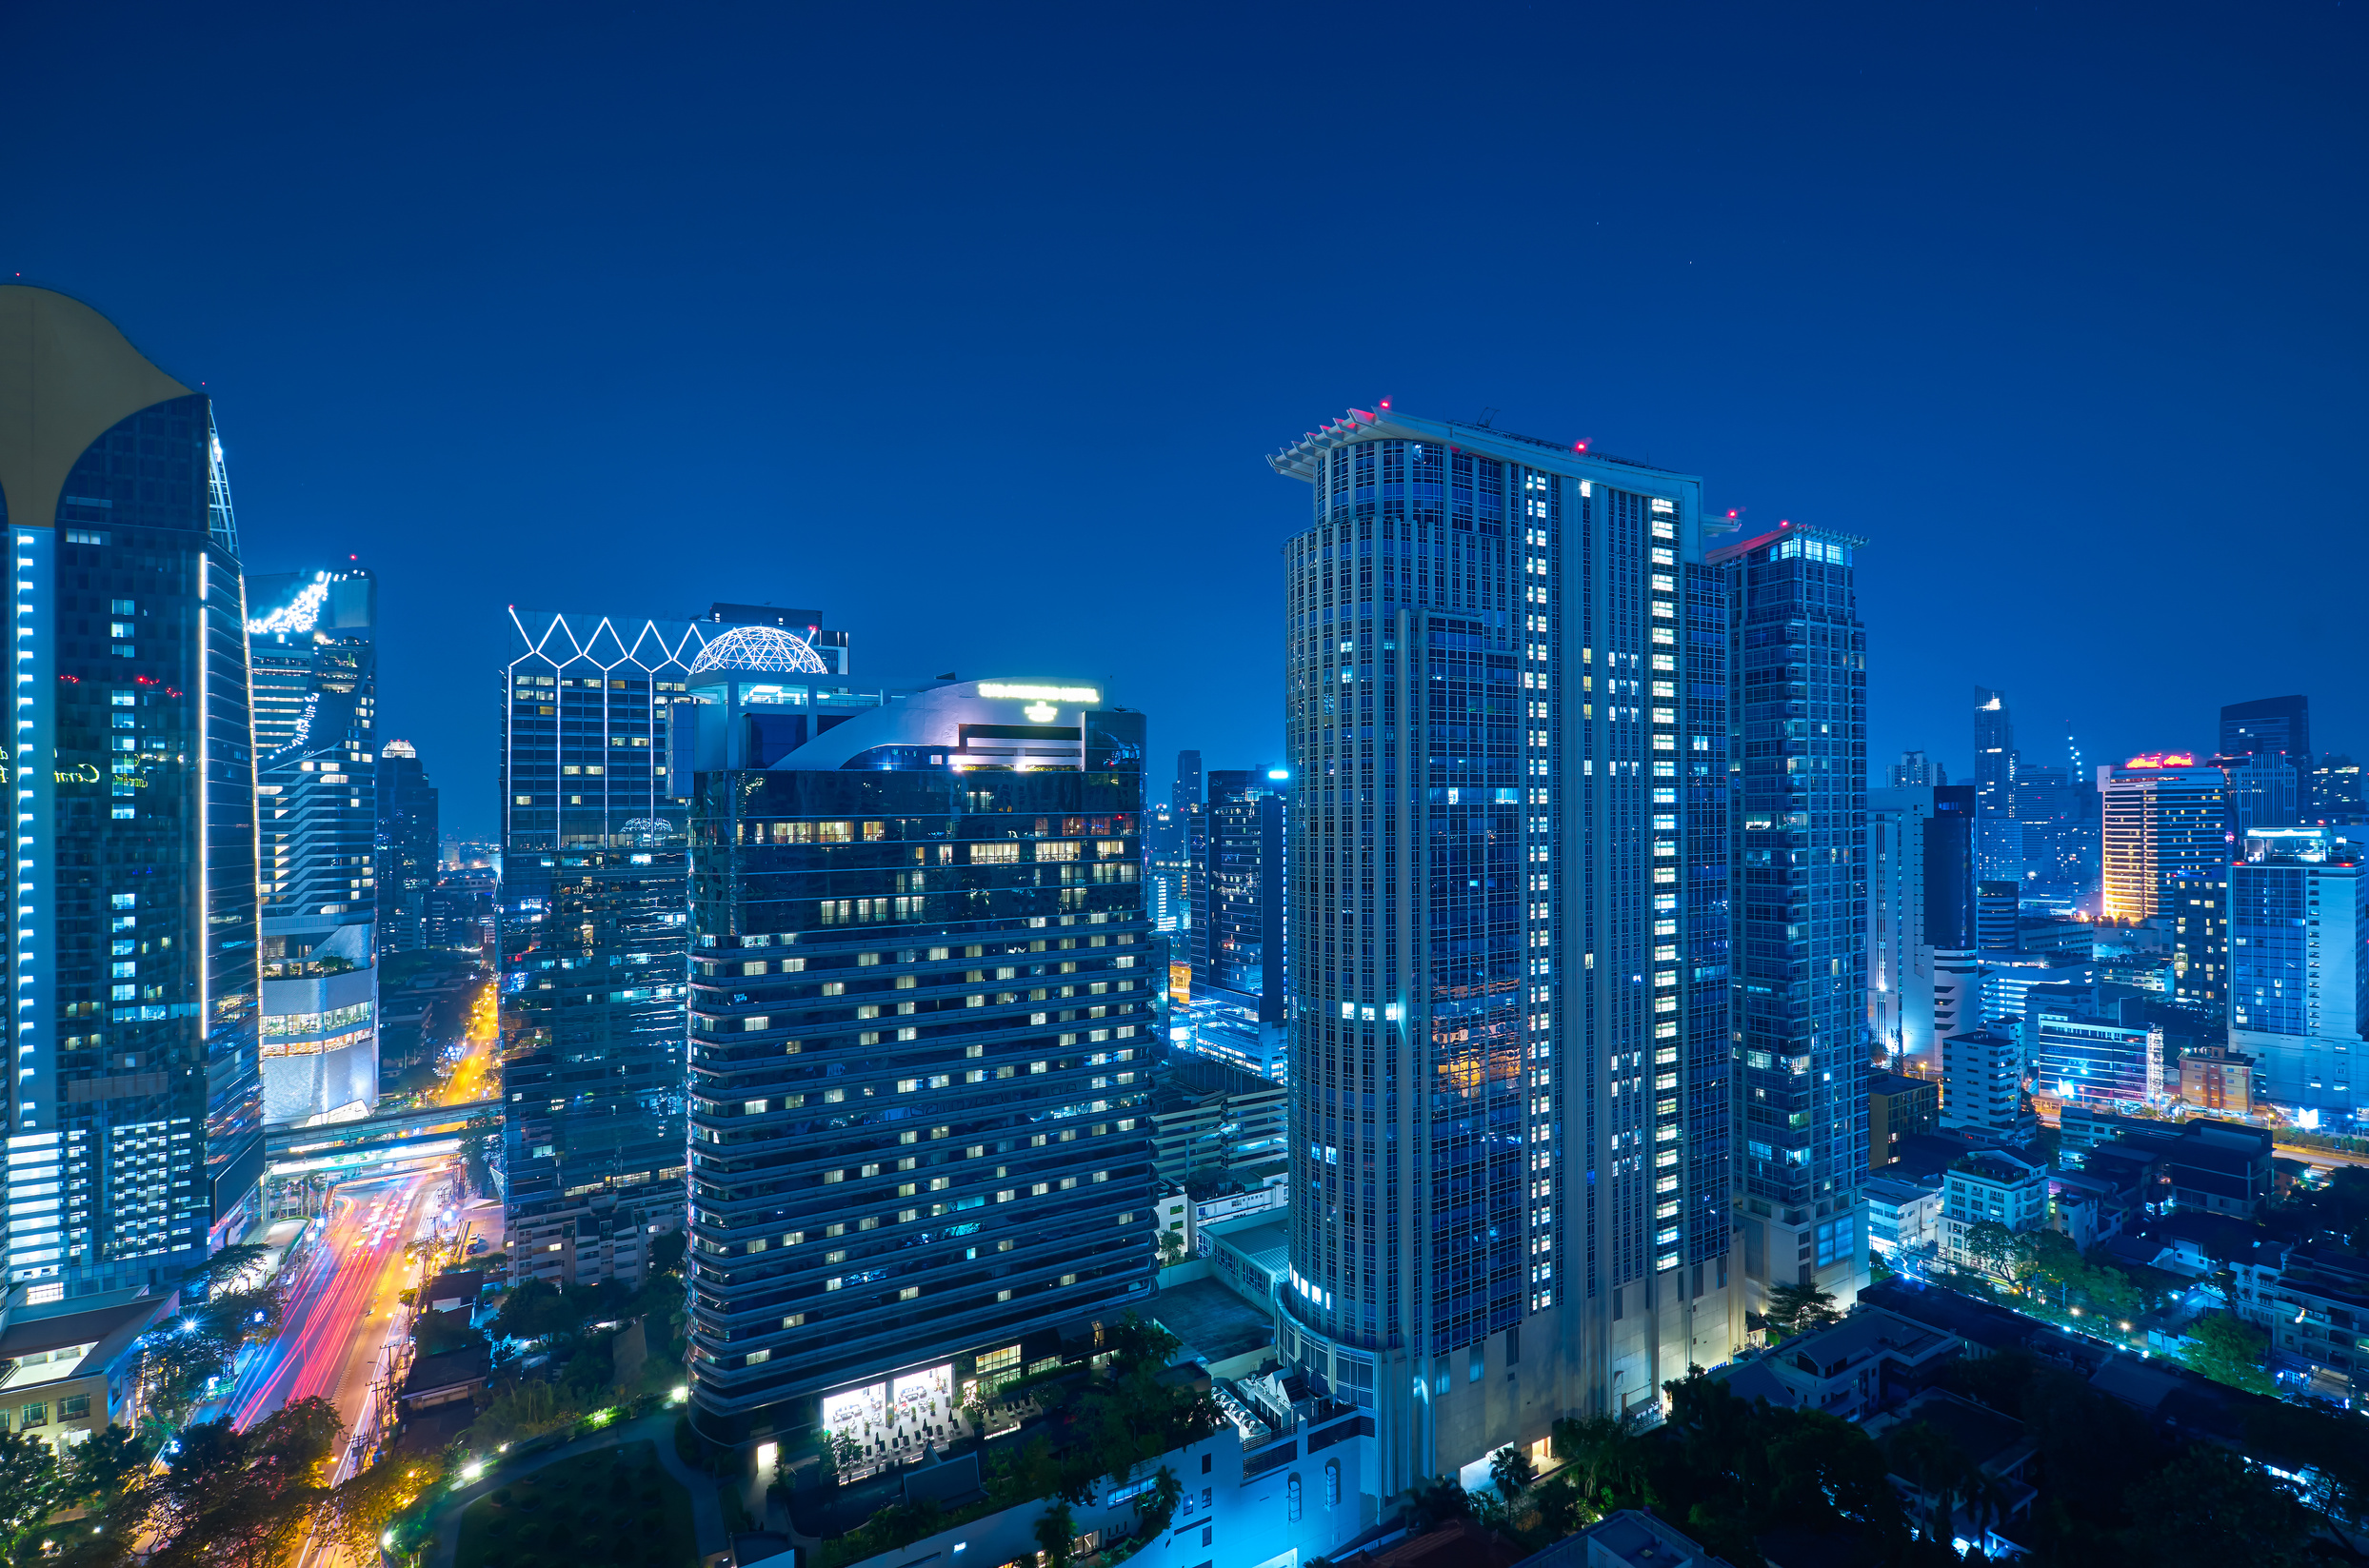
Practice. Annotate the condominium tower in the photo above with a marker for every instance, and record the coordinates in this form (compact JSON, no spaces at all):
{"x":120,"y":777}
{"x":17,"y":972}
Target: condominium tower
{"x":1797,"y":764}
{"x":1239,"y":887}
{"x":135,"y":1131}
{"x":2298,"y":977}
{"x":2164,"y":819}
{"x":921,"y":1009}
{"x":1505,"y":709}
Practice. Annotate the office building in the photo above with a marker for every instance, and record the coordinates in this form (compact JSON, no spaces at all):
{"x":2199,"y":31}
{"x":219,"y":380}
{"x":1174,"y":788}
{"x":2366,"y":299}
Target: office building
{"x":1239,"y":887}
{"x":922,"y":1026}
{"x":406,"y":847}
{"x":2299,"y":987}
{"x":135,"y":1133}
{"x":1214,"y":1127}
{"x":2198,"y":908}
{"x":1506,"y":704}
{"x":1999,"y":843}
{"x":311,"y":644}
{"x":2261,"y":792}
{"x":2056,"y":830}
{"x":2163,"y":818}
{"x":2275,"y":731}
{"x":1797,"y":768}
{"x":1997,"y":917}
{"x":592,"y":913}
{"x":2094,"y":1044}
{"x":2335,"y":789}
{"x":1914,"y":768}
{"x":1922,"y":971}
{"x":1187,"y":790}
{"x":1899,"y":1106}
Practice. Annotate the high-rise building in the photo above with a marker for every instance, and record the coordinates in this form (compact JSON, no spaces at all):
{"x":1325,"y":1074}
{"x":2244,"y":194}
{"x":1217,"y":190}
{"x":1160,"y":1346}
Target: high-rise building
{"x":1798,"y":768}
{"x":2298,"y":979}
{"x":1914,"y":768}
{"x":593,"y":912}
{"x":1999,"y":847}
{"x":1238,"y":942}
{"x":1920,"y":921}
{"x":922,"y":1027}
{"x":1997,"y":917}
{"x":135,"y":1127}
{"x":2277,"y":731}
{"x":312,"y":646}
{"x":1505,"y":709}
{"x":2163,"y":818}
{"x":1982,"y":1075}
{"x":407,"y":847}
{"x":2056,"y":813}
{"x":2198,"y":908}
{"x":2336,"y":788}
{"x":1186,"y":791}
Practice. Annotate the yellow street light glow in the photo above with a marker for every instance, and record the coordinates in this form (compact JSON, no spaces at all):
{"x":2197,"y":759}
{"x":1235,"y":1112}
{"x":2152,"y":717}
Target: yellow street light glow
{"x":1039,"y":693}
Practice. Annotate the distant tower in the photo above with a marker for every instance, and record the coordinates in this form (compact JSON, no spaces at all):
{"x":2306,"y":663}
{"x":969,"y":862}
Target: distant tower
{"x":1187,"y":790}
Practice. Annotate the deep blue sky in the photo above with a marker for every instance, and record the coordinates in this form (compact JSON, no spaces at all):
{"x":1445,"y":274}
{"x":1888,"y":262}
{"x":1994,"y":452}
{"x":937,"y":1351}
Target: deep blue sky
{"x":971,"y":325}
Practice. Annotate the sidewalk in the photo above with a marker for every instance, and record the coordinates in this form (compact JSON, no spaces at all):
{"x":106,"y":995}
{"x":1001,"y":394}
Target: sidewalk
{"x":656,"y":1428}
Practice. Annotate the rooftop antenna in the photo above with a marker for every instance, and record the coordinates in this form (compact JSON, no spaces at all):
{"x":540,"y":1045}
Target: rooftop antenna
{"x":1487,"y":416}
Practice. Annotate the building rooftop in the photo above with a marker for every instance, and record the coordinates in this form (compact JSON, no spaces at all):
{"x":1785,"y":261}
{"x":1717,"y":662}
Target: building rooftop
{"x":1299,"y":459}
{"x":1979,"y":1323}
{"x":1215,"y":1323}
{"x":1629,"y":1539}
{"x":1866,"y":1330}
{"x":94,"y":1327}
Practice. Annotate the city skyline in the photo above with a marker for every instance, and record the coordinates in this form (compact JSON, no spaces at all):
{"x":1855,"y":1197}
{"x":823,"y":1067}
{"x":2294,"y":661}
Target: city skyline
{"x":1930,"y":338}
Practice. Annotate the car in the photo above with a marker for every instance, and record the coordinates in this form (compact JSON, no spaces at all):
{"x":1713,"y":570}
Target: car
{"x":477,"y":1244}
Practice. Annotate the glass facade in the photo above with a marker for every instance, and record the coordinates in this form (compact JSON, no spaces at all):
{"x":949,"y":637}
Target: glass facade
{"x":314,"y":659}
{"x":1238,"y":922}
{"x":593,"y":932}
{"x":1505,"y":691}
{"x":1798,"y":759}
{"x":923,"y":1019}
{"x":409,"y":848}
{"x":2299,"y":985}
{"x":135,"y":1129}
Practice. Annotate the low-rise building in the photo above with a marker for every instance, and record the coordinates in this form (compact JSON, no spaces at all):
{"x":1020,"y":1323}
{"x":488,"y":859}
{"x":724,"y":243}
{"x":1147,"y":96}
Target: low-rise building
{"x":1981,"y":1078}
{"x":1990,"y":1184}
{"x":1899,"y":1106}
{"x":2314,"y":1301}
{"x":2218,"y":1080}
{"x":1869,"y":1361}
{"x":1903,"y":1219}
{"x":64,"y":1377}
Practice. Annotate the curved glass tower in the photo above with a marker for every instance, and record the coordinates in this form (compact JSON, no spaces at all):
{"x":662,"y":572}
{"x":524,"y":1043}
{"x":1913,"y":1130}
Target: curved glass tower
{"x":1505,"y":717}
{"x":135,"y":1124}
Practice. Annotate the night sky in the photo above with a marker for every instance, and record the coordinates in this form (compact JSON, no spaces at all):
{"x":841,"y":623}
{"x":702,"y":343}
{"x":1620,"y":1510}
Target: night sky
{"x":971,"y":326}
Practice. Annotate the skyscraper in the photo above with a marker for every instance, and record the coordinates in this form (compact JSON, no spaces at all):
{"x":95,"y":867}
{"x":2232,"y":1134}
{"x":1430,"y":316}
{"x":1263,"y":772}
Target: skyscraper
{"x":1237,"y":930}
{"x":1998,"y":847}
{"x":593,"y":926}
{"x":1798,"y":763}
{"x":310,"y":644}
{"x":136,"y":1134}
{"x":408,"y":850}
{"x":1186,"y":791}
{"x":2275,"y":730}
{"x":2163,"y":818}
{"x":1922,"y":967}
{"x":2298,"y":979}
{"x":2336,"y":788}
{"x":921,"y":1035}
{"x":1505,"y":704}
{"x":2200,"y":909}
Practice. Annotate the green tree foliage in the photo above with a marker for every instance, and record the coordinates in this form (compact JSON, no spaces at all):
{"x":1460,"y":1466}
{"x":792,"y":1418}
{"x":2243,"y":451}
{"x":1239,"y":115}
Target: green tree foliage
{"x":180,"y":1356}
{"x":2341,"y":1206}
{"x":536,"y":1310}
{"x":1991,"y":1247}
{"x":1512,"y":1471}
{"x":241,"y":1498}
{"x":1798,"y":1308}
{"x":2229,"y":1350}
{"x":1439,"y":1500}
{"x":2331,"y":1448}
{"x":1605,"y":1460}
{"x":2208,"y":1508}
{"x":1156,"y":1507}
{"x":523,"y":1410}
{"x":366,"y":1503}
{"x":30,"y":1489}
{"x":1726,"y":1472}
{"x":1055,"y":1535}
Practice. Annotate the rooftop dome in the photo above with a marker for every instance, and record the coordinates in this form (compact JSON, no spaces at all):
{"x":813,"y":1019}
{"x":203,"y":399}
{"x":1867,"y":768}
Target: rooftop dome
{"x":769,"y":649}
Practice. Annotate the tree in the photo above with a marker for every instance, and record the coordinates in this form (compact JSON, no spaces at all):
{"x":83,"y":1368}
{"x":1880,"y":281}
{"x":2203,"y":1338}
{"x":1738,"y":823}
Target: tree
{"x":242,"y":1498}
{"x":1798,"y":1308}
{"x":1171,"y":1249}
{"x":2328,"y":1449}
{"x":1991,"y":1247}
{"x":2209,"y":1507}
{"x":29,"y":1488}
{"x":1439,"y":1500}
{"x":362,"y":1508}
{"x":1156,"y":1507}
{"x":1055,"y":1533}
{"x":1606,"y":1464}
{"x":2229,"y":1350}
{"x":1921,"y":1453}
{"x":1513,"y":1472}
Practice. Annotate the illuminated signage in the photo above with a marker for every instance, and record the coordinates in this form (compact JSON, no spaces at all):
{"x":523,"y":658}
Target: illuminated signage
{"x":1039,"y":693}
{"x":2163,"y":758}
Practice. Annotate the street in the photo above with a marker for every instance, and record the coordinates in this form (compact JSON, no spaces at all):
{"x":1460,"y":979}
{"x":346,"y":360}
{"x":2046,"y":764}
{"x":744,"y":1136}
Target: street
{"x":342,"y":1312}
